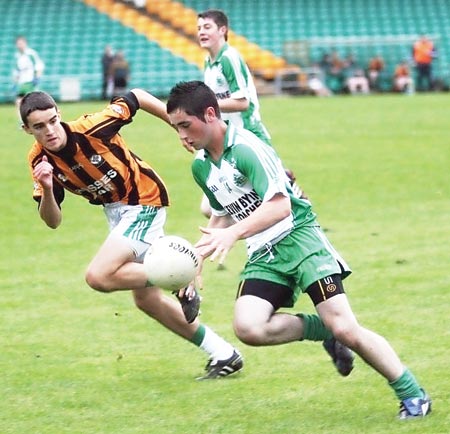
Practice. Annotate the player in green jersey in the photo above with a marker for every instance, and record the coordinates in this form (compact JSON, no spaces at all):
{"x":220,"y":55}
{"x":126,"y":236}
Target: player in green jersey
{"x":227,"y":74}
{"x":287,"y":251}
{"x":28,"y":69}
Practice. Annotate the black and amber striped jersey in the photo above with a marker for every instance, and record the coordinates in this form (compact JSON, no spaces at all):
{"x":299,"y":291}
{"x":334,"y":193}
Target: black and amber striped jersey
{"x":97,"y":164}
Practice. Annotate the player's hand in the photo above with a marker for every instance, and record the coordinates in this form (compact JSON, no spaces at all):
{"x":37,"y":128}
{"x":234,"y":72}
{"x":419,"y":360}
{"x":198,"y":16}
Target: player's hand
{"x":188,"y":291}
{"x":43,"y":173}
{"x":216,"y":243}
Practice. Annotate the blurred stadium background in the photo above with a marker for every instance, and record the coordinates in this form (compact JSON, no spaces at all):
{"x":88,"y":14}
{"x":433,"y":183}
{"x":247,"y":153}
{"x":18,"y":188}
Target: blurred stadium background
{"x":279,"y":40}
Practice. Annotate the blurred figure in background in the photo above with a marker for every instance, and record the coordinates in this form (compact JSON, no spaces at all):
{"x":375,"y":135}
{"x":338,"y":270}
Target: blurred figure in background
{"x":107,"y":60}
{"x":357,"y":82}
{"x":423,"y":53}
{"x":403,"y":82}
{"x":374,"y":69}
{"x":316,"y":82}
{"x":28,"y":69}
{"x":120,"y":73}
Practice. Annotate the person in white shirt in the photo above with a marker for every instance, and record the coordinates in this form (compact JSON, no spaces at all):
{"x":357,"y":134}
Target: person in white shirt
{"x":28,"y":69}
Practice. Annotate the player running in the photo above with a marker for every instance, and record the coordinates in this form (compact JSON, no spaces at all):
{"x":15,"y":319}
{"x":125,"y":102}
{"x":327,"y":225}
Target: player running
{"x":288,"y":253}
{"x":89,"y":157}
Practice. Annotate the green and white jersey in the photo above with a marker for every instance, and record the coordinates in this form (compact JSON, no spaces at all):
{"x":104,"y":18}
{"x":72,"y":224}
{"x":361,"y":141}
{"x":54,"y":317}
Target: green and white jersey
{"x":27,"y":63}
{"x":248,"y":173}
{"x":229,"y":77}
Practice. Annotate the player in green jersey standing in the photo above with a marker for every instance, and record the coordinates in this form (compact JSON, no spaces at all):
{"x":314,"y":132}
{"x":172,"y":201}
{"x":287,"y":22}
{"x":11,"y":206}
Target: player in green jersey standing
{"x":287,"y":251}
{"x":28,"y":69}
{"x":227,"y":74}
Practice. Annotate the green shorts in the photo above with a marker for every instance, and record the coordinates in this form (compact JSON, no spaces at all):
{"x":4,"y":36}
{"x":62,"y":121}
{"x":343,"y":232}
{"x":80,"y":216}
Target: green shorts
{"x":25,"y":88}
{"x":297,"y":261}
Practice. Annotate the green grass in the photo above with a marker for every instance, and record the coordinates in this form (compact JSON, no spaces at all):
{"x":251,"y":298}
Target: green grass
{"x":76,"y":361}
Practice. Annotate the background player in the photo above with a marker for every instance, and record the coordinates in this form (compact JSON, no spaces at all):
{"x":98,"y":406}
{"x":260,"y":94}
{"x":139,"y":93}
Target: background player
{"x":227,"y":74}
{"x":28,"y":69}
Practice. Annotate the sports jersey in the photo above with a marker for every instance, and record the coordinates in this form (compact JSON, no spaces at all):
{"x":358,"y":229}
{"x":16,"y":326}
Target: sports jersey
{"x":97,"y":164}
{"x":229,"y":77}
{"x":248,"y":173}
{"x":27,"y":63}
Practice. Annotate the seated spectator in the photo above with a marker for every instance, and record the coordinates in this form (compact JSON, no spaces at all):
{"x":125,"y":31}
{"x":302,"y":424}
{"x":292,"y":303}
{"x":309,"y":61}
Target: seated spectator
{"x":336,"y":72}
{"x":403,"y":82}
{"x":316,"y":83}
{"x":120,"y":73}
{"x":374,"y":69}
{"x":325,"y":62}
{"x":358,"y":82}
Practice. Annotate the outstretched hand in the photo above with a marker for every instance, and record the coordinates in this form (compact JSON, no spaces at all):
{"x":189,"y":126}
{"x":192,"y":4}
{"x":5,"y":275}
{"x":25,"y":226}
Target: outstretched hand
{"x":216,"y":243}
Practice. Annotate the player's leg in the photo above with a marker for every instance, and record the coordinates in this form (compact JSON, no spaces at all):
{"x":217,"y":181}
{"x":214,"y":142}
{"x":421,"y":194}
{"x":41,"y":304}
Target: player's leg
{"x":338,"y":317}
{"x":116,"y":266}
{"x":255,"y":320}
{"x":257,"y":323}
{"x":224,"y":359}
{"x":132,"y":230}
{"x":113,"y":267}
{"x":375,"y":350}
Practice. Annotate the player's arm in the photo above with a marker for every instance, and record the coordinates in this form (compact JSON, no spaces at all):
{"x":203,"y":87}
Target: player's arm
{"x":151,"y":104}
{"x":229,"y":105}
{"x":237,"y":102}
{"x":49,"y":209}
{"x":217,"y":241}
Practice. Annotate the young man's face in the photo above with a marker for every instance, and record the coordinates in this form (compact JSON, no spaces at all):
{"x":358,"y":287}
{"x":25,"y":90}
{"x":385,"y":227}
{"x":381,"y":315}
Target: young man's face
{"x":21,"y":44}
{"x":45,"y":126}
{"x":210,"y":36}
{"x":192,"y":131}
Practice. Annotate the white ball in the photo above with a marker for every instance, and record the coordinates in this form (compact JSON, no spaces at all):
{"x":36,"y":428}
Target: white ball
{"x":170,"y":263}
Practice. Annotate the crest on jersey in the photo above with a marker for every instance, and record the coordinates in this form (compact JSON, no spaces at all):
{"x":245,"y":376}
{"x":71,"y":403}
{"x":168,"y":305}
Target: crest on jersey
{"x":117,"y":108}
{"x":220,"y":81}
{"x":239,"y":179}
{"x":96,"y":159}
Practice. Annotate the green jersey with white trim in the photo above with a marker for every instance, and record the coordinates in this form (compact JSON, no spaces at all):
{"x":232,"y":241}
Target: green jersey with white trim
{"x":229,"y":77}
{"x":248,"y":173}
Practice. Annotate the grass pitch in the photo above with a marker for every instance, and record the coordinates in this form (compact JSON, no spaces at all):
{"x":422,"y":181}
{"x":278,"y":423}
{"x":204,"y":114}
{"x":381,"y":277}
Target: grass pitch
{"x":79,"y":362}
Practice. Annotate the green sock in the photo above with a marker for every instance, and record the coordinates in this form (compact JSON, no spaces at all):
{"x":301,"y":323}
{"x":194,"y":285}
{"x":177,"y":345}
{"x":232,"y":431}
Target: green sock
{"x":197,"y":339}
{"x":406,"y":386}
{"x":314,"y":329}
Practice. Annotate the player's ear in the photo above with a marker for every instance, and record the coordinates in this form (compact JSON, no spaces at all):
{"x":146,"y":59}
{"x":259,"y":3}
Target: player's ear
{"x":223,"y":30}
{"x":26,"y":129}
{"x":210,"y":114}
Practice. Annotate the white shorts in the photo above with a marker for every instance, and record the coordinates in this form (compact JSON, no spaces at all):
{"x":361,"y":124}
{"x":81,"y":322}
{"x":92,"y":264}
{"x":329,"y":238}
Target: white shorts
{"x":137,"y":225}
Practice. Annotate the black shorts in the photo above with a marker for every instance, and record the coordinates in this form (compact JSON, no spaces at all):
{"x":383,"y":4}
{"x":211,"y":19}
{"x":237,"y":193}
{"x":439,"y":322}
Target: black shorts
{"x":277,"y":294}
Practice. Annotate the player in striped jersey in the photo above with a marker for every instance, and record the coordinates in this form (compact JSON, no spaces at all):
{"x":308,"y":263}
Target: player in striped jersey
{"x":89,"y":157}
{"x":287,"y":251}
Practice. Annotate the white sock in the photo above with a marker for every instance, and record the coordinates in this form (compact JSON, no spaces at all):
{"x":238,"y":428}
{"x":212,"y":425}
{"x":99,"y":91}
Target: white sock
{"x":215,"y":346}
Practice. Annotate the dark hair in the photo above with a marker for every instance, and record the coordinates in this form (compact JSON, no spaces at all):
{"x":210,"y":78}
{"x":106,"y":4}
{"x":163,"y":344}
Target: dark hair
{"x":35,"y":101}
{"x":218,"y":17}
{"x":193,"y":97}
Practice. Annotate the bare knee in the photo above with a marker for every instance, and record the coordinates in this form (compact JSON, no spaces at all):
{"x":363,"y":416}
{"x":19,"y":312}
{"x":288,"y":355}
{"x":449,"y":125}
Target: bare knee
{"x":346,"y":333}
{"x":249,"y":334}
{"x":97,"y":281}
